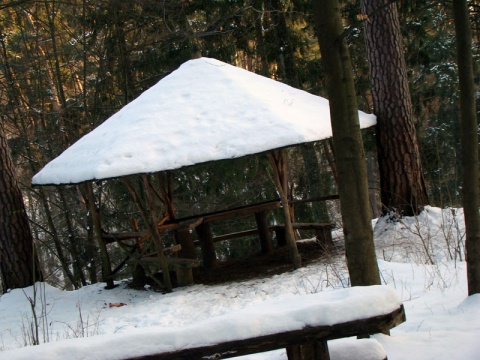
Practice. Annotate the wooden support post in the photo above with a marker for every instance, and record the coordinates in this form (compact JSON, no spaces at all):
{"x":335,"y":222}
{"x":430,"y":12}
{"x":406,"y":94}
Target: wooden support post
{"x":206,"y":243}
{"x":102,"y":246}
{"x":324,"y":237}
{"x":151,"y":221}
{"x":184,"y":275}
{"x":293,"y":352}
{"x":184,"y":238}
{"x":155,"y":233}
{"x":310,"y":351}
{"x":280,"y":172}
{"x":263,"y":232}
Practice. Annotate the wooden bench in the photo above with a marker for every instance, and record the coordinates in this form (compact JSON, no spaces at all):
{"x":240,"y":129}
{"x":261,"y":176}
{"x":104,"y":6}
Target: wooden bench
{"x":307,"y":342}
{"x":182,"y":266}
{"x":293,"y":322}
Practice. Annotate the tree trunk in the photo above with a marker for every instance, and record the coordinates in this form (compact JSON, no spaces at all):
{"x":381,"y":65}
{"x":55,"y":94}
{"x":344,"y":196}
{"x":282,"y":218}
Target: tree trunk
{"x":285,"y":48}
{"x":348,"y":145}
{"x":278,"y":161}
{"x":18,"y":261}
{"x":469,"y":128}
{"x":97,"y":227}
{"x":401,"y":179}
{"x":286,"y":62}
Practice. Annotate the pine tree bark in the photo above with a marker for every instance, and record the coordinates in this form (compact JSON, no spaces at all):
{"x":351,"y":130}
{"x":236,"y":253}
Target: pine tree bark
{"x":469,"y":128}
{"x":401,"y":179}
{"x":348,"y":145}
{"x":18,"y":262}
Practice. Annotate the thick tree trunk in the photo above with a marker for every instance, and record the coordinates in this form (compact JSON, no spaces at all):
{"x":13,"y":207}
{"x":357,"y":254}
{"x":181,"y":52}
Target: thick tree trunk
{"x":469,"y":127}
{"x":401,"y":179}
{"x":348,"y":145}
{"x":18,"y":261}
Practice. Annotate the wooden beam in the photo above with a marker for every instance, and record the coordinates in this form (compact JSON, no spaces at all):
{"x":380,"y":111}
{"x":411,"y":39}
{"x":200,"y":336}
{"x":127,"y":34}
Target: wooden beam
{"x":312,"y":226}
{"x":184,"y":238}
{"x":264,"y":234}
{"x":235,"y":235}
{"x":315,"y":199}
{"x":204,"y":233}
{"x":243,"y":211}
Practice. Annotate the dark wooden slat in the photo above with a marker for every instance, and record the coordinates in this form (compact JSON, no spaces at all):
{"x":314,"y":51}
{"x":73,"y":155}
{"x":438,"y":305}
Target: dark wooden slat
{"x":234,"y":213}
{"x":372,"y":325}
{"x":235,"y":235}
{"x":314,"y":199}
{"x":188,"y":225}
{"x":312,"y":226}
{"x":305,"y":226}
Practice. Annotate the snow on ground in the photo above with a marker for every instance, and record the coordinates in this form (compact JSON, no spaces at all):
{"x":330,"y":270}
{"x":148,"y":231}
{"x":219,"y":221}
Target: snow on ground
{"x":442,"y":322}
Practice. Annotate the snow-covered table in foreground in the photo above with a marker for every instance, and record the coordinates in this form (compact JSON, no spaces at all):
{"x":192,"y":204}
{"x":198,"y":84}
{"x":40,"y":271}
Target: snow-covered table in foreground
{"x":282,"y":323}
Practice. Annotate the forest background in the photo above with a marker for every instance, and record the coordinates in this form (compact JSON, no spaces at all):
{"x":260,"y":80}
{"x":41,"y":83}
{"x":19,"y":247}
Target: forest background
{"x":66,"y":66}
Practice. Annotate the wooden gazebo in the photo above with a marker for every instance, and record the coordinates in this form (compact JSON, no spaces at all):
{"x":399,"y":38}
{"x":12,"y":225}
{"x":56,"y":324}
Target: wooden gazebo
{"x":204,"y":111}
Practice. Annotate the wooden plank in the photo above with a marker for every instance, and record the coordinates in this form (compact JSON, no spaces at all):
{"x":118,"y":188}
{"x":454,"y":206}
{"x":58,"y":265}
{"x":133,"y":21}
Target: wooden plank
{"x":312,"y":226}
{"x":188,"y":225}
{"x":243,"y":211}
{"x":285,"y":339}
{"x":315,"y":199}
{"x":235,"y":235}
{"x":172,"y":249}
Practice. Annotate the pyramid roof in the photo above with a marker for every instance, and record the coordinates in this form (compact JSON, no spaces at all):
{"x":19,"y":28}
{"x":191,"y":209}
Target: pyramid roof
{"x":206,"y":110}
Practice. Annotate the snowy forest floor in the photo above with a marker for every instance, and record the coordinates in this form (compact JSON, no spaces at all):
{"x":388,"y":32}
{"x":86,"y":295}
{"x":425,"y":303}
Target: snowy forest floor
{"x":422,"y":258}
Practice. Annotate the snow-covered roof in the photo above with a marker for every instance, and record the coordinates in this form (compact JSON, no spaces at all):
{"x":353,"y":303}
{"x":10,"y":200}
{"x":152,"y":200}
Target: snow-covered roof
{"x":206,"y":110}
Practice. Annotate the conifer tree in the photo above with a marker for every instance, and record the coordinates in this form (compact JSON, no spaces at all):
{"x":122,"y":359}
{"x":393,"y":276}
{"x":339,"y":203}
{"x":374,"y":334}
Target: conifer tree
{"x":18,"y":262}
